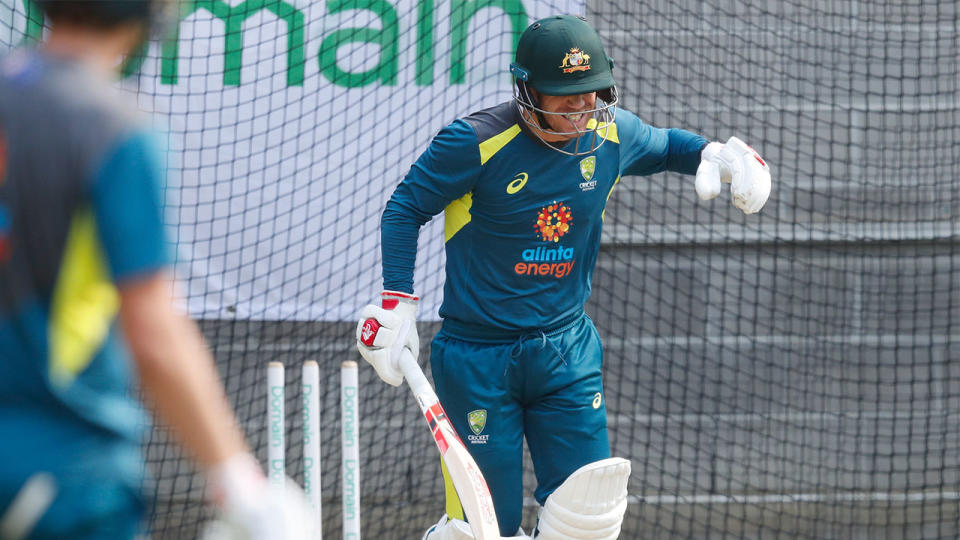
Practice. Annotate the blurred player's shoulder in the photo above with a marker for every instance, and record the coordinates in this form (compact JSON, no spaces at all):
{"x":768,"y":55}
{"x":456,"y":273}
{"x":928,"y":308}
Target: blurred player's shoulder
{"x":20,"y":67}
{"x":61,"y":105}
{"x":45,"y":83}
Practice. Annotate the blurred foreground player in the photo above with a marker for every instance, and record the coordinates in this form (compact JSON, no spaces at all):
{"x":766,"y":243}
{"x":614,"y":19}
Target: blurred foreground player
{"x":85,"y":278}
{"x":523,"y":186}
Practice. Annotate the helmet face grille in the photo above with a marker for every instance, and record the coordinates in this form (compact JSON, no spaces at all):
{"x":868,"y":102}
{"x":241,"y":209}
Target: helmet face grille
{"x":584,"y":141}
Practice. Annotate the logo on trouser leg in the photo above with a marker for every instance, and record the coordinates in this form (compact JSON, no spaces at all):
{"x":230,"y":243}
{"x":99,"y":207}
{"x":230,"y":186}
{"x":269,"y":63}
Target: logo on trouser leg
{"x":477,"y":420}
{"x":597,"y":400}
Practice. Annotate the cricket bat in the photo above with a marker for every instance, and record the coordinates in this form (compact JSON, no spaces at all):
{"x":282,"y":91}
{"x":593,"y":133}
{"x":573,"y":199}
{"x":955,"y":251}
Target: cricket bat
{"x":467,"y":479}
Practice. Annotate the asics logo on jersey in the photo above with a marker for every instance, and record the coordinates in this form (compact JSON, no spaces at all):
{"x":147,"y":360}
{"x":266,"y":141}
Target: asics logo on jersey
{"x":517,"y":183}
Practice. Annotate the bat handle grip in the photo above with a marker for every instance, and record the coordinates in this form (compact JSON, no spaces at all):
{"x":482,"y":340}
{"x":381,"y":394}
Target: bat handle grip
{"x":416,"y":379}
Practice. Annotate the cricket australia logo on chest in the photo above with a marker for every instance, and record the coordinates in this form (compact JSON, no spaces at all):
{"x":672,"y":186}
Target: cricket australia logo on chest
{"x":549,"y":258}
{"x":588,"y":166}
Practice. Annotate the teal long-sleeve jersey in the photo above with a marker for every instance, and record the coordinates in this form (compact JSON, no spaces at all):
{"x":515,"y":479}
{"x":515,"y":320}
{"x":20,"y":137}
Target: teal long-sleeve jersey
{"x":521,"y":221}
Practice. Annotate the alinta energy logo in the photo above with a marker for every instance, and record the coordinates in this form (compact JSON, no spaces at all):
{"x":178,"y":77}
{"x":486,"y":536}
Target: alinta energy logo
{"x":552,"y":223}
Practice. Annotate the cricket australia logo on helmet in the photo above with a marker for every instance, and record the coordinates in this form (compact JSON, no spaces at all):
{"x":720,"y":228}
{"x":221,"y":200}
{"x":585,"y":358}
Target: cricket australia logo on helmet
{"x":575,"y":60}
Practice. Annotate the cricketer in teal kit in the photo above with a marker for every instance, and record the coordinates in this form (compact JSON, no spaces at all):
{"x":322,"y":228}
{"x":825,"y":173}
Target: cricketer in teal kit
{"x":523,"y":186}
{"x":87,"y":323}
{"x":82,"y":213}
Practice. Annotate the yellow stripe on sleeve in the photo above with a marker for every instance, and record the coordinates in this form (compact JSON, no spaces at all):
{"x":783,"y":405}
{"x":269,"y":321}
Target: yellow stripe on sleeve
{"x":493,"y":145}
{"x":456,"y":215}
{"x":84,"y":305}
{"x":608,"y":130}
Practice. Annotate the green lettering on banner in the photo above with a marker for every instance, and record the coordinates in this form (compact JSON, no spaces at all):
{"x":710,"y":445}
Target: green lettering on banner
{"x":461,"y":13}
{"x":388,"y":39}
{"x":132,"y":63}
{"x":34,"y":30}
{"x":233,"y":18}
{"x":425,"y":59}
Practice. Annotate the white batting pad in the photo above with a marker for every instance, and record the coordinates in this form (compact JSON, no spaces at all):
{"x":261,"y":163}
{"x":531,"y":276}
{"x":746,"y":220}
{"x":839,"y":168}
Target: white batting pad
{"x":589,"y":505}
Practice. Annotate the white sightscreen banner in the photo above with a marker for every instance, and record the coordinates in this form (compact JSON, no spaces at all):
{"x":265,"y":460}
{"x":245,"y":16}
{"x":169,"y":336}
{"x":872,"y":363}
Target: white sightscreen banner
{"x":278,"y":175}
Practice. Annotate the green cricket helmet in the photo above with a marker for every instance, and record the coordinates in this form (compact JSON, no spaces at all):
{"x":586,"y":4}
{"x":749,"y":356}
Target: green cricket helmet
{"x":155,"y":17}
{"x":101,"y":13}
{"x":562,"y":56}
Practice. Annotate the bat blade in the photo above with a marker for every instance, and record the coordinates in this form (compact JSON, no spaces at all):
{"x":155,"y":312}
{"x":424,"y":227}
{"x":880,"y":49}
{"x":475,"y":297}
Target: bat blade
{"x":467,"y":478}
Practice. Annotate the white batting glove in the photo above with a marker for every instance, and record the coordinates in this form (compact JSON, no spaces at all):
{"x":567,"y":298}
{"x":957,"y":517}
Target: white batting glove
{"x":741,"y":166}
{"x":249,"y":508}
{"x":384,"y":331}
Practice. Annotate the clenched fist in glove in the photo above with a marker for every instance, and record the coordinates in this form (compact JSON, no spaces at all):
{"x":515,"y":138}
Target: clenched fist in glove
{"x":741,"y":166}
{"x":385,"y":330}
{"x":250,"y":508}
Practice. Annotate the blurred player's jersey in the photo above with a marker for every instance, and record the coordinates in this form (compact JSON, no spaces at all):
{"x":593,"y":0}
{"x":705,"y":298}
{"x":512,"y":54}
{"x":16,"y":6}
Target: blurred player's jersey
{"x":522,"y":221}
{"x":79,"y":213}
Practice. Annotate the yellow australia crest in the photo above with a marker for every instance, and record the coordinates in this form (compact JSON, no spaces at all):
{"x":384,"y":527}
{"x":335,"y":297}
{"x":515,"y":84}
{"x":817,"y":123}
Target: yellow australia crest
{"x":575,"y":60}
{"x":477,"y":420}
{"x":587,"y":167}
